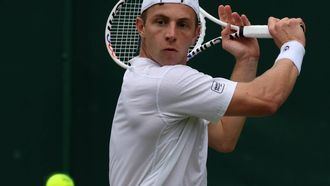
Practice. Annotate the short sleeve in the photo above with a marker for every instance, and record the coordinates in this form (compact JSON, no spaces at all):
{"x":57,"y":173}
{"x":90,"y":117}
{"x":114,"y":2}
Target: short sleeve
{"x":185,"y":92}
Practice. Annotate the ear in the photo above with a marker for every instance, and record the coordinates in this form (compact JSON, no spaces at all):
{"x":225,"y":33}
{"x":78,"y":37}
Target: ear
{"x":139,"y":23}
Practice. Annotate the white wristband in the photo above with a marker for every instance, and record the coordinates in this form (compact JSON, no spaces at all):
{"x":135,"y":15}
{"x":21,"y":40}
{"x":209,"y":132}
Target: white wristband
{"x":294,"y":51}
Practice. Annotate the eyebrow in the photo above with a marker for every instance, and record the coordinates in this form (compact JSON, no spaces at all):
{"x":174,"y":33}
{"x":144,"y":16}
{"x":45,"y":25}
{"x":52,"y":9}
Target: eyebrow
{"x":180,"y":19}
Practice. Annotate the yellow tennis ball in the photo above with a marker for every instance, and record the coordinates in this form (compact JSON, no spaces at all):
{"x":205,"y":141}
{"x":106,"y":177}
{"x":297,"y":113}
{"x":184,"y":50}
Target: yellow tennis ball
{"x":59,"y":180}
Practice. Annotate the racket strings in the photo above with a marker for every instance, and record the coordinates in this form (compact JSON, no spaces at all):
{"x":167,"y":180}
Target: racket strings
{"x":125,"y":39}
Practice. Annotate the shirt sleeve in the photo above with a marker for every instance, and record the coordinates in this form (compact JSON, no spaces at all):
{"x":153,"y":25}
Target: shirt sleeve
{"x":185,"y":92}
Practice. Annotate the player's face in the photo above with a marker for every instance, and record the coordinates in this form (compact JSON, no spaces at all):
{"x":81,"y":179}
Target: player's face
{"x":167,"y":33}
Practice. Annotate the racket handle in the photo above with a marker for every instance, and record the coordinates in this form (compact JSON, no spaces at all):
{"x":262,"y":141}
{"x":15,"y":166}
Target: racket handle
{"x":255,"y":31}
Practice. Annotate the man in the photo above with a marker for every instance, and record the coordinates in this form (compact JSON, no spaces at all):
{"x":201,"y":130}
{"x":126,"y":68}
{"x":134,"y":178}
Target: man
{"x":168,"y":113}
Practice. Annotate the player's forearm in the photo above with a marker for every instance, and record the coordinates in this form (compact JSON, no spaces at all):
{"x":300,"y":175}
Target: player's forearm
{"x":274,"y":86}
{"x":280,"y":80}
{"x":266,"y":93}
{"x":224,"y":135}
{"x":233,"y":127}
{"x":245,"y":70}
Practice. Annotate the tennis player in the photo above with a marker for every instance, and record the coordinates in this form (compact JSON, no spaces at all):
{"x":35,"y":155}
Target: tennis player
{"x":168,"y":113}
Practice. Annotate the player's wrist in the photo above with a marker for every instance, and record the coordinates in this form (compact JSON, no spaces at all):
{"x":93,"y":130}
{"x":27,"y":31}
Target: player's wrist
{"x":294,"y":51}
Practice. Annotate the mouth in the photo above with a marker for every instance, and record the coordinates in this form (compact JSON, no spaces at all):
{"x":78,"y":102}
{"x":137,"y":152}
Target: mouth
{"x":170,"y":50}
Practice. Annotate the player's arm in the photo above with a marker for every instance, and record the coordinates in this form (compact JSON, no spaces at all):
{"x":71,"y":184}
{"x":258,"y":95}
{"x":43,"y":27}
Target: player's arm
{"x":224,"y":135}
{"x":265,"y":94}
{"x":260,"y":97}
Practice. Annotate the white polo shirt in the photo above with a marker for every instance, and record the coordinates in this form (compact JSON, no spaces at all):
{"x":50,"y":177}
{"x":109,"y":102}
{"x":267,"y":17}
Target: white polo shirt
{"x":159,"y":133}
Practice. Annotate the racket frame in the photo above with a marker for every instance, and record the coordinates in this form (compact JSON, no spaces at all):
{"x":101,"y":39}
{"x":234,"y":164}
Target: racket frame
{"x":110,"y":49}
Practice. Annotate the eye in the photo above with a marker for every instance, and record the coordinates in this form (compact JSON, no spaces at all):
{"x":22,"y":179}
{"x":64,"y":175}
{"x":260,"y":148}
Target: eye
{"x":160,"y":21}
{"x":184,"y":24}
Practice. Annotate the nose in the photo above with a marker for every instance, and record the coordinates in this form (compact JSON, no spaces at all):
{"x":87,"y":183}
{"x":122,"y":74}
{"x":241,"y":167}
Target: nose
{"x":170,"y":35}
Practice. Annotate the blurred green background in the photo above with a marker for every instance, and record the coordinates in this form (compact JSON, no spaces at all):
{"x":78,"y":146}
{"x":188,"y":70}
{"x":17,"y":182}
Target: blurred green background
{"x":59,"y":89}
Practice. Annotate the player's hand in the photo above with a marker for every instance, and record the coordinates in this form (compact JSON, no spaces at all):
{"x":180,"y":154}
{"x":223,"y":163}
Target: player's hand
{"x":286,"y":29}
{"x":241,"y":48}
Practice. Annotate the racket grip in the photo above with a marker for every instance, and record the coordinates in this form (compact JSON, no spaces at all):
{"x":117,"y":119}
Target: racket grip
{"x":254,"y":31}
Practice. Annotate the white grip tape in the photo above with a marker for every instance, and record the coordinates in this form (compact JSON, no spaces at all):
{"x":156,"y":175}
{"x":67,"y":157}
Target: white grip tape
{"x":256,"y":31}
{"x":294,"y":51}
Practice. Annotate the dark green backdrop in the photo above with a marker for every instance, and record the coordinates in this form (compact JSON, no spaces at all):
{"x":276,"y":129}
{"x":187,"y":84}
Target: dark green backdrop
{"x":59,"y":89}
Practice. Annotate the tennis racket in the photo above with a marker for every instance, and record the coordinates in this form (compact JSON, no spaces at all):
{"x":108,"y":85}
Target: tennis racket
{"x":122,"y":39}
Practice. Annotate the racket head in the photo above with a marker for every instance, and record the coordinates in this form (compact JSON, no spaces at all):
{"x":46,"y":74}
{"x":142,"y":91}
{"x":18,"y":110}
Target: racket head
{"x":121,"y":37}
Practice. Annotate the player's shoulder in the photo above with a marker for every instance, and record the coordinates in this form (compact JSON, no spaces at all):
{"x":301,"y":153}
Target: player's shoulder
{"x":148,"y":67}
{"x":181,"y":72}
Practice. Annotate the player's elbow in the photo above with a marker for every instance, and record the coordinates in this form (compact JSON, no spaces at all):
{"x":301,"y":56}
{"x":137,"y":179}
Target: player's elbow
{"x":225,"y":147}
{"x":267,"y":109}
{"x":271,"y":107}
{"x":273,"y":104}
